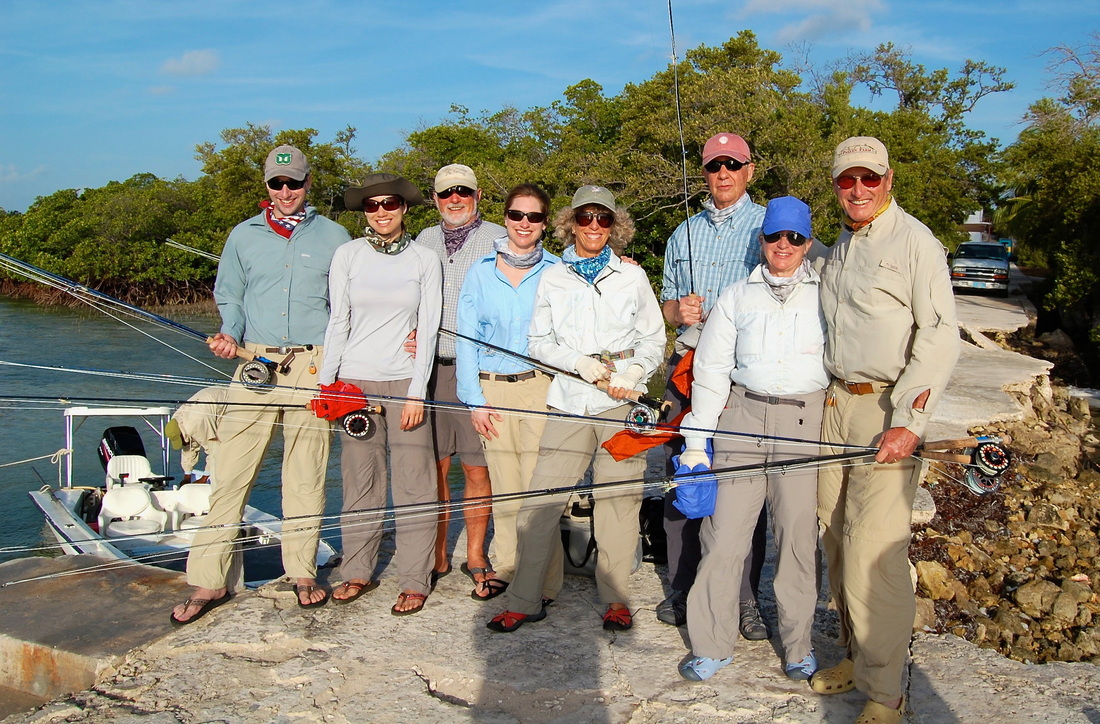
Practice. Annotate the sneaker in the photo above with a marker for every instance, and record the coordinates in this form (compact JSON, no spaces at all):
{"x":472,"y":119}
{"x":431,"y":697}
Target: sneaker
{"x":802,"y":670}
{"x":700,"y":668}
{"x":617,"y":619}
{"x":510,"y":620}
{"x":674,"y":609}
{"x":753,"y":627}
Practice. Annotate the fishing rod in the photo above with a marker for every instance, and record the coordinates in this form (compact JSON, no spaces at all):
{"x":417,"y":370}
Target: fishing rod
{"x":683,"y":148}
{"x":256,"y":373}
{"x":184,"y":247}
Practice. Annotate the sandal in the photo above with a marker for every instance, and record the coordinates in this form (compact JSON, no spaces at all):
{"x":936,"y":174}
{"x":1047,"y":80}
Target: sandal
{"x":205,"y":605}
{"x":308,"y":589}
{"x":474,"y":571}
{"x":354,"y":590}
{"x":700,"y":668}
{"x":510,"y":620}
{"x":801,"y":670}
{"x":617,"y":619}
{"x":876,"y":713}
{"x":418,"y":598}
{"x":836,"y":680}
{"x":436,"y":575}
{"x":493,"y":587}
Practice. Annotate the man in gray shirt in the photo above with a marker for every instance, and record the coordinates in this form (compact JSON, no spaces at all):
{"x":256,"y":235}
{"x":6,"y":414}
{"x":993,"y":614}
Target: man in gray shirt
{"x":460,"y":239}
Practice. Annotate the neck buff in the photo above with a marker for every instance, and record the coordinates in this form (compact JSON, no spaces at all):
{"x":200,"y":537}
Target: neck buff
{"x":395,"y":246}
{"x":587,"y":268}
{"x":717,"y":215}
{"x":781,"y":287}
{"x":857,"y":225}
{"x":455,"y":239}
{"x":514,"y":260}
{"x":282,"y":225}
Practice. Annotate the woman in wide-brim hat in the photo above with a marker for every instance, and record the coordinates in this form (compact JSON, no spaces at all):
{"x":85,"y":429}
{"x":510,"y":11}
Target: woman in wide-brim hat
{"x":382,"y":287}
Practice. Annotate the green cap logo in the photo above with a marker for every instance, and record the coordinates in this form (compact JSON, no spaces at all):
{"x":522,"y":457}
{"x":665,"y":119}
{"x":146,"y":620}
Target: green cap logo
{"x":282,"y":159}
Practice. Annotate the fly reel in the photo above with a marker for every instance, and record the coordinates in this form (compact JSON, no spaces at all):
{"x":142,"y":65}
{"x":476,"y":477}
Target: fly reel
{"x":991,"y":458}
{"x":358,"y":425}
{"x":257,"y":375}
{"x":644,"y":416}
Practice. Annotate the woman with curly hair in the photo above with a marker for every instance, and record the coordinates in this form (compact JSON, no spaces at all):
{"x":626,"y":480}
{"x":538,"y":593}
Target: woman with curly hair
{"x":597,"y":316}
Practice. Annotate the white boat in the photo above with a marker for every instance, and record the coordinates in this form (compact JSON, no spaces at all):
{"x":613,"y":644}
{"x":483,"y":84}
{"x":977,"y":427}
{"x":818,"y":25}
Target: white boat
{"x":134,"y":514}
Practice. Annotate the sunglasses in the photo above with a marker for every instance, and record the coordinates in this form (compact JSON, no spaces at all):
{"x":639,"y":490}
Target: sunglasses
{"x":463,"y":191}
{"x":390,"y":203}
{"x":870,"y":181}
{"x":584,"y":218}
{"x":535,"y":217}
{"x":716,"y":165}
{"x":793,"y":237}
{"x":277,"y":184}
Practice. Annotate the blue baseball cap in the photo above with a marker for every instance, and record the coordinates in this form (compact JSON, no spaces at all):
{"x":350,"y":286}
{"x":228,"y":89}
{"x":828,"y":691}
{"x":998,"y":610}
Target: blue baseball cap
{"x":787,"y":214}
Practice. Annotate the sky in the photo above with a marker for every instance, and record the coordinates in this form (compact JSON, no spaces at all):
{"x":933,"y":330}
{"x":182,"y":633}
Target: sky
{"x":93,"y":91}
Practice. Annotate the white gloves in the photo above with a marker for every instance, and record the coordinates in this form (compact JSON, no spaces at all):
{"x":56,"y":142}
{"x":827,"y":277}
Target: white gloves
{"x":691,"y":458}
{"x":591,"y":369}
{"x":629,"y":378}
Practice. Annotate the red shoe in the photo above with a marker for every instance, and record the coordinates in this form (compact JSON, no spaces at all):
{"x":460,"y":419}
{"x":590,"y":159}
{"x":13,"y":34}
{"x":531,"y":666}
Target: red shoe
{"x":510,"y":620}
{"x":617,"y":619}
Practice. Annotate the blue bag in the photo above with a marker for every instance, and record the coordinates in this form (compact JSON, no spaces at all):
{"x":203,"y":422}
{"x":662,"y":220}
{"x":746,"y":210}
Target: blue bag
{"x":696,"y":495}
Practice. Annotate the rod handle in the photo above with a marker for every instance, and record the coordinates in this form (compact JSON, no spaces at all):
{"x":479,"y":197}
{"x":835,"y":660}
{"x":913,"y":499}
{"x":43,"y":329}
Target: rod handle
{"x":246,"y":354}
{"x":946,"y":457}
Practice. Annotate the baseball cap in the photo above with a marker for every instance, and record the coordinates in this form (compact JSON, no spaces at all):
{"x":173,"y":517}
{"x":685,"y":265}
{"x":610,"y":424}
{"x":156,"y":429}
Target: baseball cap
{"x":455,"y":174}
{"x":286,"y":161}
{"x":787,"y":213}
{"x":172,"y":432}
{"x":865,"y":151}
{"x":594,"y":195}
{"x":726,"y":144}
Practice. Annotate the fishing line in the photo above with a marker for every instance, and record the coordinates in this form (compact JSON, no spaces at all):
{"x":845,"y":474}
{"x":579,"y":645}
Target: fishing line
{"x":683,"y":148}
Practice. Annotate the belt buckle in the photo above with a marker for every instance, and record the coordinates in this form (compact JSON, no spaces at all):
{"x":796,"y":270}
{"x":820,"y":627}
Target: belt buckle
{"x":510,"y":378}
{"x":773,"y":400}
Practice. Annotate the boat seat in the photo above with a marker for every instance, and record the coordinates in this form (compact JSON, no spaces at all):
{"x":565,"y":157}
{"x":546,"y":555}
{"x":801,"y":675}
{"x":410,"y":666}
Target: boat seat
{"x":128,"y":510}
{"x":192,"y":506}
{"x":128,"y":470}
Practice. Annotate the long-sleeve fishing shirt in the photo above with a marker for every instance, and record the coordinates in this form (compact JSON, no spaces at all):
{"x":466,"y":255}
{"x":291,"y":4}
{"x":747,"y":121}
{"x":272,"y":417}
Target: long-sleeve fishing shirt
{"x":274,"y":291}
{"x":490,"y":309}
{"x":572,"y":318}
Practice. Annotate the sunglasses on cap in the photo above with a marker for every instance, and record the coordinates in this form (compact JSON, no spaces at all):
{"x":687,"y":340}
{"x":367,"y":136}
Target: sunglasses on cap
{"x":793,"y":237}
{"x":870,"y":181}
{"x":276,"y":184}
{"x":535,"y":217}
{"x":390,"y":203}
{"x":604,"y":219}
{"x":463,"y":191}
{"x":716,"y":165}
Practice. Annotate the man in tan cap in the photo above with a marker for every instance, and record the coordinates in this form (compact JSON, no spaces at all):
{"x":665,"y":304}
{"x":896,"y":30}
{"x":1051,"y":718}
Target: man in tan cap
{"x":194,"y":429}
{"x":272,"y":294}
{"x":705,"y":254}
{"x":460,"y":239}
{"x":891,"y":346}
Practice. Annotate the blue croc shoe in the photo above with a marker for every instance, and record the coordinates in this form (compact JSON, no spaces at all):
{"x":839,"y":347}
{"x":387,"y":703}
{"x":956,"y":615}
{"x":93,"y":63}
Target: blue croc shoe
{"x":802,"y":670}
{"x":699,"y":668}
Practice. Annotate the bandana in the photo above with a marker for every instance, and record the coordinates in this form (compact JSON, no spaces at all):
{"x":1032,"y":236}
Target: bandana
{"x":857,"y":225}
{"x":455,"y":239}
{"x":717,"y":215}
{"x":781,"y":287}
{"x":395,"y":246}
{"x":587,"y":268}
{"x":517,"y":261}
{"x":282,"y":225}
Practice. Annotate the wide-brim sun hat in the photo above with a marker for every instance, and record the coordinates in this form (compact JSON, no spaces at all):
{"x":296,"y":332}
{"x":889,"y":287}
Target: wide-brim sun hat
{"x":382,"y":184}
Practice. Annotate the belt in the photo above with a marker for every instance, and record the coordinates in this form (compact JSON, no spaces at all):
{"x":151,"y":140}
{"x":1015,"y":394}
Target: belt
{"x":771,"y":400}
{"x":288,"y":350}
{"x":528,"y":375}
{"x":608,"y":356}
{"x":865,"y":388}
{"x":445,"y":362}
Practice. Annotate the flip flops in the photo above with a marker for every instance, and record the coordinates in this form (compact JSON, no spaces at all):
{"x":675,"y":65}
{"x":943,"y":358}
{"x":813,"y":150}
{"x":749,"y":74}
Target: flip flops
{"x":205,"y":605}
{"x":354,"y":589}
{"x":308,"y":589}
{"x":492,"y":586}
{"x":404,"y":596}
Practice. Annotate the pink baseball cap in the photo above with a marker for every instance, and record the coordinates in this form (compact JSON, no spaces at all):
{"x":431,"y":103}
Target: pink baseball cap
{"x":726,"y":144}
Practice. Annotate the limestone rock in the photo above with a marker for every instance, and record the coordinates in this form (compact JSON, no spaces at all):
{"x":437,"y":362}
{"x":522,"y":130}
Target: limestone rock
{"x":1036,"y":598}
{"x":936,"y":579}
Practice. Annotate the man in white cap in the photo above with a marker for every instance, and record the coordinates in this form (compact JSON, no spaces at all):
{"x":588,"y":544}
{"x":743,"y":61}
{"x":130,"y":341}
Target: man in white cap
{"x":705,"y":254}
{"x":891,"y":345}
{"x":460,"y":240}
{"x":272,"y":293}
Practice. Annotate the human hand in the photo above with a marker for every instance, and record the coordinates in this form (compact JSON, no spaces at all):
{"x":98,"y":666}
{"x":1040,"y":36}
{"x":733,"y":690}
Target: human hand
{"x":691,"y":310}
{"x":412,"y":414}
{"x":591,"y":369}
{"x":895,"y":445}
{"x":223,"y":345}
{"x":482,"y":419}
{"x":410,"y":343}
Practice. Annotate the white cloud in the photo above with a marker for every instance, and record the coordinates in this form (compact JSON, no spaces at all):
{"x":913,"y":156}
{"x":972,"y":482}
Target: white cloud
{"x":9,"y":173}
{"x":818,"y":19}
{"x":162,"y":90}
{"x":193,"y":62}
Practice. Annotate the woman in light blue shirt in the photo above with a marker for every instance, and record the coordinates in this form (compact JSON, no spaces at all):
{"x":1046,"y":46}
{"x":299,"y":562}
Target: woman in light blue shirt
{"x":495,"y":306}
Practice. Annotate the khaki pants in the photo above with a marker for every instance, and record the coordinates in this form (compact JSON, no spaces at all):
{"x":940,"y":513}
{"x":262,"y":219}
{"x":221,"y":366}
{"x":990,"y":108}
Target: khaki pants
{"x":713,"y":620}
{"x":565,"y":452}
{"x":867,"y":511}
{"x":511,"y":458}
{"x":244,"y":434}
{"x":412,"y":483}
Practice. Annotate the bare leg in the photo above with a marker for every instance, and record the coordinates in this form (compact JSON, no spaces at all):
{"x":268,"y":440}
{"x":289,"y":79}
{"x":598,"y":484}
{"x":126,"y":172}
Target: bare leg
{"x":477,"y":517}
{"x":442,"y":562}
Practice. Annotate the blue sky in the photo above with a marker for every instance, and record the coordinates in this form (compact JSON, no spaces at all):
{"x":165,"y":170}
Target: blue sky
{"x":99,"y":90}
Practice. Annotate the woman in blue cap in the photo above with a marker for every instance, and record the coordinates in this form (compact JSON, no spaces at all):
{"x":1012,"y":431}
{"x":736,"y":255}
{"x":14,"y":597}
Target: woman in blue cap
{"x":758,"y":369}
